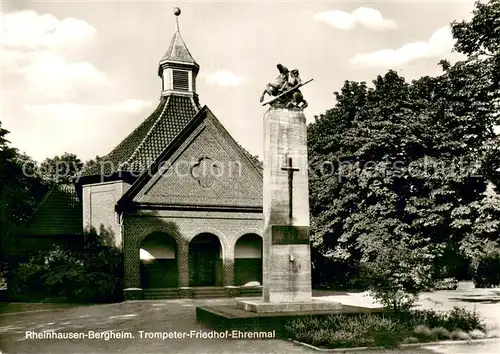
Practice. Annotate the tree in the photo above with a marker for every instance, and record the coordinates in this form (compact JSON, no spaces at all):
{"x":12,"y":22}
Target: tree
{"x":62,"y":169}
{"x":401,"y":157}
{"x":93,"y":161}
{"x":400,"y":169}
{"x":479,"y":40}
{"x":20,"y":191}
{"x":6,"y":156}
{"x":328,"y":205}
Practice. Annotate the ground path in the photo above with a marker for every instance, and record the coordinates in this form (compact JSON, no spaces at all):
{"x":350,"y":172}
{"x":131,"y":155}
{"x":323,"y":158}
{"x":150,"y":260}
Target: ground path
{"x":179,"y":315}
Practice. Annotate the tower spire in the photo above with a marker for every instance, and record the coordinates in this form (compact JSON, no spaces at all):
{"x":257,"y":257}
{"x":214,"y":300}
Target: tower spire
{"x":177,"y":68}
{"x":177,"y":13}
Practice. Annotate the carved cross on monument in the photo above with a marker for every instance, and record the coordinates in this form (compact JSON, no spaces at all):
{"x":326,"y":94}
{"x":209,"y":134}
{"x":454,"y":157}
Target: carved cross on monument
{"x":290,"y":171}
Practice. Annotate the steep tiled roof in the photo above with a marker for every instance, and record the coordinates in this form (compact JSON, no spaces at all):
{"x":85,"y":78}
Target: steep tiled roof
{"x":178,"y":52}
{"x":255,"y":159}
{"x":60,"y":213}
{"x":141,"y":148}
{"x":177,"y":113}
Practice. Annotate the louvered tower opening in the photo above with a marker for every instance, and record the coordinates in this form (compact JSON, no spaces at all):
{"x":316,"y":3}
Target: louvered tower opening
{"x":180,"y":80}
{"x":177,"y":68}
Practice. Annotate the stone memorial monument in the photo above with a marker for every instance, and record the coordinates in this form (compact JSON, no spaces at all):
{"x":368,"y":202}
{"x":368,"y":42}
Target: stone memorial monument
{"x":286,"y":247}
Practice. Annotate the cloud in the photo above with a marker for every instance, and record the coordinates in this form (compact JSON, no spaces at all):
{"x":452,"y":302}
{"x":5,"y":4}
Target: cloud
{"x":364,"y":16}
{"x":75,"y":111}
{"x":32,"y":48}
{"x":440,"y":43}
{"x":50,"y":76}
{"x":224,"y":78}
{"x":57,"y":96}
{"x":27,"y":30}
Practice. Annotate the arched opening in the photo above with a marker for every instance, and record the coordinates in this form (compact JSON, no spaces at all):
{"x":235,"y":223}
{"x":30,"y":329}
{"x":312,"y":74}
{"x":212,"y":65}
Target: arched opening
{"x":248,"y":260}
{"x":158,"y":254}
{"x":205,"y":260}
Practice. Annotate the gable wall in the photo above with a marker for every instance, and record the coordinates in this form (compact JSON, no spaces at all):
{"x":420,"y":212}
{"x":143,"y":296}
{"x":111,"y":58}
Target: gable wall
{"x":234,"y":182}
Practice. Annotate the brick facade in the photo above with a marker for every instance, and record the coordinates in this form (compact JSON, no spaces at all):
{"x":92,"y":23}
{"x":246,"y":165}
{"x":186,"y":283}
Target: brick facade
{"x":183,"y":227}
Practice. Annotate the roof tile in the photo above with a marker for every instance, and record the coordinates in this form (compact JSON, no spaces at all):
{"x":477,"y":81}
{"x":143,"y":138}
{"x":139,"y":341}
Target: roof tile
{"x":141,"y":148}
{"x":60,"y":213}
{"x":177,"y":51}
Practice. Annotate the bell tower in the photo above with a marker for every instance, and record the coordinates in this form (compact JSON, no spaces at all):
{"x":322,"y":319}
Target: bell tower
{"x":177,"y":69}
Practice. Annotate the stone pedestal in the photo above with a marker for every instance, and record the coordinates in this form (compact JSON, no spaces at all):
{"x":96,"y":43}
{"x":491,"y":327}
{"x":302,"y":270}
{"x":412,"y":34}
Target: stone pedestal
{"x":286,"y":245}
{"x":311,"y":305}
{"x":286,"y":251}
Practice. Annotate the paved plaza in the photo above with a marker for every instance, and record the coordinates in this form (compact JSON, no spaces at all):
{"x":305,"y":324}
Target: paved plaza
{"x":179,"y":315}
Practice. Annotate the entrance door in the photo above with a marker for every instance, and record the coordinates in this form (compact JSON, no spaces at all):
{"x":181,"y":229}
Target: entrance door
{"x":248,"y":259}
{"x":158,"y":254}
{"x":204,"y":259}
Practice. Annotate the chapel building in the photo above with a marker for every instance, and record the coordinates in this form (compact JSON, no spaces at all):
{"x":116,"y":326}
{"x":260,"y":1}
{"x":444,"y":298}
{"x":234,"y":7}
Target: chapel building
{"x":179,"y":196}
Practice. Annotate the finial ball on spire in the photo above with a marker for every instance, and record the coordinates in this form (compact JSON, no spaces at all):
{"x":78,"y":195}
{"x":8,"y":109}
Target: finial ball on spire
{"x":177,"y":11}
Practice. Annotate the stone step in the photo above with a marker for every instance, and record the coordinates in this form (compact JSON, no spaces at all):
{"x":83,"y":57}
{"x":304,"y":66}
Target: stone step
{"x":199,"y":292}
{"x":209,"y":296}
{"x":162,"y":290}
{"x":156,"y":294}
{"x":257,"y":291}
{"x":160,"y":297}
{"x":209,"y":292}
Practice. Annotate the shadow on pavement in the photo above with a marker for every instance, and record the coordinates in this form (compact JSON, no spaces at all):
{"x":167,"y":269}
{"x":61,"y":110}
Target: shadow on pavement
{"x":485,"y":300}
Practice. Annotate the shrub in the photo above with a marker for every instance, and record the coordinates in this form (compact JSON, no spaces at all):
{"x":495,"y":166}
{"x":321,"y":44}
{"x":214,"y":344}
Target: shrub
{"x":385,"y":329}
{"x":91,"y":274}
{"x":28,"y":279}
{"x":477,"y":334}
{"x":460,"y":335}
{"x":465,"y":319}
{"x":423,"y":330}
{"x":431,"y":318}
{"x":397,"y":275}
{"x":410,"y":340}
{"x":487,"y":273}
{"x":441,"y":333}
{"x":335,"y":273}
{"x":346,"y":339}
{"x":446,"y":284}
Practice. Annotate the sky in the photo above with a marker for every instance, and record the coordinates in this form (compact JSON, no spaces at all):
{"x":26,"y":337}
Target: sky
{"x":79,"y":76}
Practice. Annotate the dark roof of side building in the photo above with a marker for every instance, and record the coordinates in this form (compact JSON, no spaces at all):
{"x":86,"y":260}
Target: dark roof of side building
{"x":59,"y":213}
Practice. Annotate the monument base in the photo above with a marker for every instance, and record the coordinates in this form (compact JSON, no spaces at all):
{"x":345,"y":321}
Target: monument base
{"x":236,"y":320}
{"x":260,"y":306}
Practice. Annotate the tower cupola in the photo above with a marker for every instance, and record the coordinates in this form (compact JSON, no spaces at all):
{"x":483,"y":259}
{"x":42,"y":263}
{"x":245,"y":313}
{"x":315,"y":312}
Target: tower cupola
{"x":177,"y":69}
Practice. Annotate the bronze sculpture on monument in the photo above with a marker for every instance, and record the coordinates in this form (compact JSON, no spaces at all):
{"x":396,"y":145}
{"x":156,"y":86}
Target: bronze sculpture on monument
{"x":284,"y":91}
